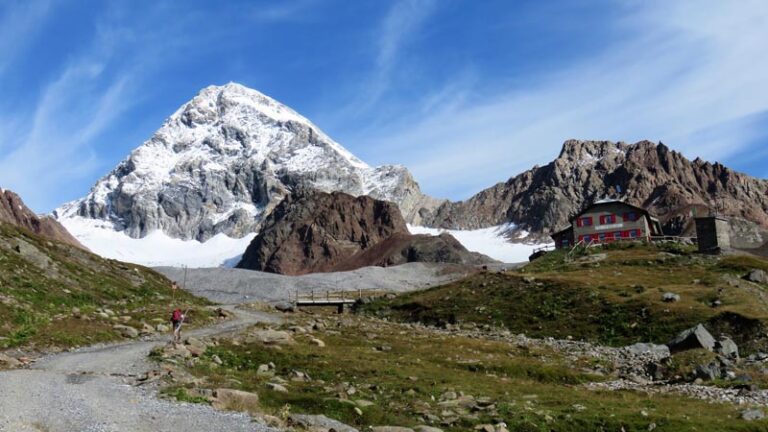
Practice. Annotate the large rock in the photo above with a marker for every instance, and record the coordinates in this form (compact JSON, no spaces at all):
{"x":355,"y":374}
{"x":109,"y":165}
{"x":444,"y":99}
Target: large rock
{"x":658,"y":351}
{"x":8,"y":362}
{"x":126,"y":331}
{"x":727,"y":347}
{"x":404,"y":248}
{"x":695,"y":337}
{"x":542,"y":199}
{"x":236,"y":400}
{"x":319,"y":423}
{"x":312,"y":231}
{"x":223,"y":161}
{"x":391,"y":429}
{"x":752,"y":414}
{"x":757,"y":276}
{"x":271,"y":337}
{"x":13,"y":211}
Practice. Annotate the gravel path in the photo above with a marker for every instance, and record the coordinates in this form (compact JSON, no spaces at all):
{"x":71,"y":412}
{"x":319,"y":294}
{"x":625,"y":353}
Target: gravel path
{"x":89,"y":390}
{"x":231,"y":286}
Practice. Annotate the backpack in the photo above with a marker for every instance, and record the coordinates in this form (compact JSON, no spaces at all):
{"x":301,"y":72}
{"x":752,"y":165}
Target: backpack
{"x":176,"y":315}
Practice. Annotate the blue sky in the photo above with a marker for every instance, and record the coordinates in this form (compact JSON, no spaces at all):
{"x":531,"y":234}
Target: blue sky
{"x":465,"y":93}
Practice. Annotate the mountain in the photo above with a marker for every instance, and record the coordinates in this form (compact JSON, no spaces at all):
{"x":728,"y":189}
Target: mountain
{"x":13,"y":211}
{"x":312,"y":231}
{"x":542,"y":199}
{"x":222,"y":162}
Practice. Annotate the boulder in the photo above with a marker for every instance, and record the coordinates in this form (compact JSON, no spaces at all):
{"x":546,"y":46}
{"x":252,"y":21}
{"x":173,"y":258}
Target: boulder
{"x":757,"y":276}
{"x":236,"y":400}
{"x":126,"y":331}
{"x":693,"y":338}
{"x":319,"y":423}
{"x":285,"y":306}
{"x":271,"y":337}
{"x":317,"y":342}
{"x":727,"y":347}
{"x":708,"y":372}
{"x":752,"y":414}
{"x":659,"y":351}
{"x":670,"y":297}
{"x":427,"y":429}
{"x":277,"y":387}
{"x":9,"y":362}
{"x":391,"y":429}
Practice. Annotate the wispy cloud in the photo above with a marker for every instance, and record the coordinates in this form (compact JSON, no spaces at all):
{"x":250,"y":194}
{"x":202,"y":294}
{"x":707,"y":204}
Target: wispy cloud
{"x":73,"y":110}
{"x":19,"y":20}
{"x":282,"y":11}
{"x":687,"y":73}
{"x":403,"y":20}
{"x":58,"y":144}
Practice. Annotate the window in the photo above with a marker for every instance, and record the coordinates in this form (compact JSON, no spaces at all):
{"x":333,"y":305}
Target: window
{"x":635,"y":233}
{"x":602,"y":237}
{"x":630,"y":217}
{"x":607,"y":219}
{"x":565,"y":242}
{"x":586,"y":221}
{"x":617,"y":235}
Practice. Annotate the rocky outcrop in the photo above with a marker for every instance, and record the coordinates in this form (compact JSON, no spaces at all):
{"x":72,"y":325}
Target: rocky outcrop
{"x":223,"y":161}
{"x":312,"y":231}
{"x":403,"y":248}
{"x":646,"y":174}
{"x":14,"y":212}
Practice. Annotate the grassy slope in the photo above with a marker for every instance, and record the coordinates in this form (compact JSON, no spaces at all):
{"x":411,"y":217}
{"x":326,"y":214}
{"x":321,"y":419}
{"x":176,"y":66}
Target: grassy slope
{"x":37,"y":295}
{"x":615,"y":301}
{"x":534,"y":389}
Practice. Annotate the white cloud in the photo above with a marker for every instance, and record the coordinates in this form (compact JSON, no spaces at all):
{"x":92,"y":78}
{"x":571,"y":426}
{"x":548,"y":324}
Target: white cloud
{"x":687,"y":73}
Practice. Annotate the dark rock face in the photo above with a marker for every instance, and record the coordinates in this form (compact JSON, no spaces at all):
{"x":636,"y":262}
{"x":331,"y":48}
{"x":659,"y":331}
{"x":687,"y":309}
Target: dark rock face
{"x":14,"y":212}
{"x":403,"y":248}
{"x":312,"y":231}
{"x":645,"y":174}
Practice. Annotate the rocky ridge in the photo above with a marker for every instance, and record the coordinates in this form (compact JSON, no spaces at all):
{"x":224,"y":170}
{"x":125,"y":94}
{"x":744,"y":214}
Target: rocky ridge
{"x":13,"y":211}
{"x":223,"y":161}
{"x":312,"y":231}
{"x":650,"y":175}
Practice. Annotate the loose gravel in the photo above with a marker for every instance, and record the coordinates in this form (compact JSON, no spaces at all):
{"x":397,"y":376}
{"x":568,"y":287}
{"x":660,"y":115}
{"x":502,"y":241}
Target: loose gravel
{"x":91,"y":390}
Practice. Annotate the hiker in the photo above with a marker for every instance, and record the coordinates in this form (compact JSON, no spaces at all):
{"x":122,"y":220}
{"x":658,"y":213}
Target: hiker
{"x":176,"y":319}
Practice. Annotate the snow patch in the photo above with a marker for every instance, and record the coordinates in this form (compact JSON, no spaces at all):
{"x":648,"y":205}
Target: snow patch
{"x":487,"y":241}
{"x":156,"y":249}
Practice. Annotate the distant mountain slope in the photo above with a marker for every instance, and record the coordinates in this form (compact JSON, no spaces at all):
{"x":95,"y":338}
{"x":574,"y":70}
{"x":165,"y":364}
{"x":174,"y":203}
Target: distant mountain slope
{"x":650,"y":175}
{"x":13,"y":211}
{"x":312,"y":231}
{"x":222,"y":162}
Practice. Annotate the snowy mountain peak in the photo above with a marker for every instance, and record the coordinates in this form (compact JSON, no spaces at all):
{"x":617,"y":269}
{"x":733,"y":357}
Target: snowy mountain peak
{"x":222,"y":161}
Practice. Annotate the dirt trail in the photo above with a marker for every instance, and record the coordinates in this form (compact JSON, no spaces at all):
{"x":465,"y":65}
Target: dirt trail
{"x":88,"y":390}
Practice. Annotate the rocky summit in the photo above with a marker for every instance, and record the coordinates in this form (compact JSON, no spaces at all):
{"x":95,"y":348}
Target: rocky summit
{"x":13,"y":211}
{"x":223,"y":161}
{"x":312,"y":231}
{"x":542,"y":199}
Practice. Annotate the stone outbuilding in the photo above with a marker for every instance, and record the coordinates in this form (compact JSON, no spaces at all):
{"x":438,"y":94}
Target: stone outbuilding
{"x":713,"y":234}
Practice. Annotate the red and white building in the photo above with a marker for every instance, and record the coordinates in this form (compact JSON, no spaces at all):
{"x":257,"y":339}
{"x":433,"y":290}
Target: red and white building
{"x":606,"y":221}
